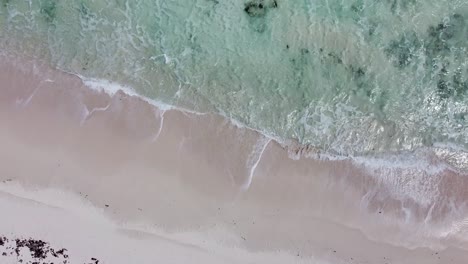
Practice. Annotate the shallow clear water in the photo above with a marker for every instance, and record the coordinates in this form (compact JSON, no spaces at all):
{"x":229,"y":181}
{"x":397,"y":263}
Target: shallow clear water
{"x":350,"y":77}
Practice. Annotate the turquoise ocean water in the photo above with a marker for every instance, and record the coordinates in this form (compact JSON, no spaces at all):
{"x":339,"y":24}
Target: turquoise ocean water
{"x":349,"y":77}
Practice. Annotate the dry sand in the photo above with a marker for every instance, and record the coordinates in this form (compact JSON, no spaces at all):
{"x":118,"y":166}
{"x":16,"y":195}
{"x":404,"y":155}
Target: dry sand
{"x":120,"y":180}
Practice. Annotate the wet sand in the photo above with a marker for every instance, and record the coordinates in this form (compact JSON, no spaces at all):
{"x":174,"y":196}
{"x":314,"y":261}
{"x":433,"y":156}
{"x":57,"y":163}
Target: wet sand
{"x":169,"y":185}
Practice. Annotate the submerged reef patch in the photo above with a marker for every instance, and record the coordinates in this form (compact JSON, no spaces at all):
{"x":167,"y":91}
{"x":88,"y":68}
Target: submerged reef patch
{"x":440,"y":51}
{"x":257,"y":10}
{"x":402,"y":51}
{"x":49,"y":10}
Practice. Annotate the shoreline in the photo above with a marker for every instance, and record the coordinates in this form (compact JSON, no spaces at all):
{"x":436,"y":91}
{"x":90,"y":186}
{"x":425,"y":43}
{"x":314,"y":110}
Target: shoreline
{"x":448,"y":153}
{"x":178,"y":166}
{"x":443,"y":156}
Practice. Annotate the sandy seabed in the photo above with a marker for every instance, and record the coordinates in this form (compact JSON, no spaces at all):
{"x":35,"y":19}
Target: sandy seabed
{"x":111,"y":178}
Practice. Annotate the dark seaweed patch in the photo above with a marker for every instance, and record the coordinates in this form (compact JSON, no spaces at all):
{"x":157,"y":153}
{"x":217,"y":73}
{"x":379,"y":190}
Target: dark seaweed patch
{"x":371,"y":29}
{"x":460,"y":86}
{"x":446,"y":89}
{"x":358,"y":73}
{"x":85,"y":12}
{"x":438,"y":42}
{"x":361,"y":80}
{"x":259,"y":8}
{"x":397,"y":6}
{"x":442,"y":41}
{"x":38,"y":248}
{"x":255,"y":9}
{"x":298,"y":66}
{"x":5,"y":3}
{"x":402,"y":51}
{"x":49,"y":10}
{"x":358,"y":76}
{"x":357,"y":8}
{"x":443,"y":46}
{"x":335,"y":58}
{"x":443,"y":89}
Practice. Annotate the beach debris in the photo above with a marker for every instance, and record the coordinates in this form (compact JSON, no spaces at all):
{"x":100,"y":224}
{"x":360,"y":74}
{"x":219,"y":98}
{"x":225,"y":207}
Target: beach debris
{"x":94,"y":261}
{"x":34,"y":251}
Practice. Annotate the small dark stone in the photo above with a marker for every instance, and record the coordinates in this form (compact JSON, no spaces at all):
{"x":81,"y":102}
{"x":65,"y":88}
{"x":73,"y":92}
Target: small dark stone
{"x":287,"y":46}
{"x":106,"y":205}
{"x":4,"y":254}
{"x":2,"y":242}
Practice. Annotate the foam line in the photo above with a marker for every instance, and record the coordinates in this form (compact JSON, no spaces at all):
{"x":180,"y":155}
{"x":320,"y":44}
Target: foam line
{"x":88,"y":113}
{"x":254,"y":159}
{"x":28,"y":100}
{"x":395,"y":160}
{"x":161,"y":123}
